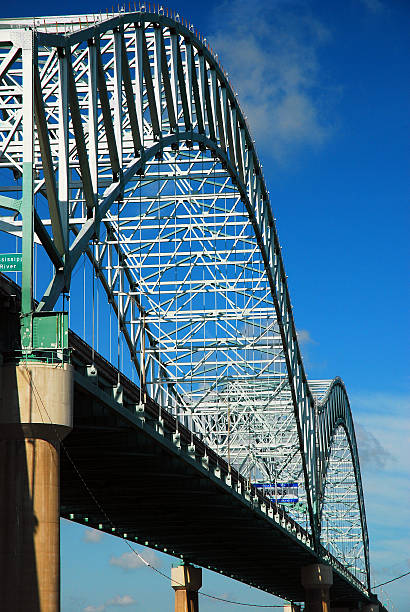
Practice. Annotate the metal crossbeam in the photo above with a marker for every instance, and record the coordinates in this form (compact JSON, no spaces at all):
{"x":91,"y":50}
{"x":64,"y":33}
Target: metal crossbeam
{"x":140,"y":159}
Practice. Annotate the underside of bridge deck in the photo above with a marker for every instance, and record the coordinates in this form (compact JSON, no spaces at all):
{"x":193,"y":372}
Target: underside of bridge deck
{"x":125,"y":472}
{"x":160,"y":494}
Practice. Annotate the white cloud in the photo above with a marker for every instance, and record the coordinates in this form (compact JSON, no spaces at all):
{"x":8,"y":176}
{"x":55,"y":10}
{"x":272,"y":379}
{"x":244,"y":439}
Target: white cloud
{"x":372,"y":453}
{"x":92,"y":535}
{"x":121,"y":600}
{"x":385,"y":418}
{"x":118,"y":600}
{"x":304,"y":337}
{"x":130,"y":561}
{"x":275,"y":70}
{"x":383,"y":436}
{"x":381,"y":403}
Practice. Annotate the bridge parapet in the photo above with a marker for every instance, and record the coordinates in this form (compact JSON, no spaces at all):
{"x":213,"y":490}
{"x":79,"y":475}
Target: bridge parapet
{"x":98,"y":408}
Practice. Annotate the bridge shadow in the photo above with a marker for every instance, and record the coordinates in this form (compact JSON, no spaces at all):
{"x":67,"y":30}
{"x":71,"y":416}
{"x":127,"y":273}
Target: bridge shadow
{"x":19,"y":587}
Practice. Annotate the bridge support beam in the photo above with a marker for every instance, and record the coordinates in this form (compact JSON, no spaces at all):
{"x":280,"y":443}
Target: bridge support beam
{"x":35,"y":415}
{"x":373,"y":607}
{"x":186,"y":581}
{"x":317,"y":580}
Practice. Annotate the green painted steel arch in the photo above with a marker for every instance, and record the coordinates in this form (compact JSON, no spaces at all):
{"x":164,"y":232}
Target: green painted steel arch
{"x":152,"y":79}
{"x":333,"y":415}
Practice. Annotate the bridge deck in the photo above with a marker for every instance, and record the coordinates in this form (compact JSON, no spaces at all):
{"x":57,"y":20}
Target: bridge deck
{"x":160,"y":492}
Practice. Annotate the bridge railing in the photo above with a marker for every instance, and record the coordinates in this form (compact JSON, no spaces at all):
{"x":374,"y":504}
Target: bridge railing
{"x":170,"y":426}
{"x":341,"y":569}
{"x":82,"y":355}
{"x":201,"y":452}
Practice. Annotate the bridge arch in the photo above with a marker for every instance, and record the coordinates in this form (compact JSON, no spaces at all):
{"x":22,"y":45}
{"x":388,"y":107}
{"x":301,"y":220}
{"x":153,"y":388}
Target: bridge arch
{"x":178,"y":93}
{"x":113,"y":99}
{"x":341,"y":491}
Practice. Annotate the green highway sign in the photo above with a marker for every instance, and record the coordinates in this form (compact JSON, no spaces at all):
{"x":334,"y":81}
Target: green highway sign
{"x":11,"y":262}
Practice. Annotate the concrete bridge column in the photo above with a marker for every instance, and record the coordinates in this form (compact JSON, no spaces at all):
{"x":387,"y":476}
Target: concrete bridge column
{"x":291,"y":608}
{"x":35,"y":415}
{"x":186,"y":581}
{"x":317,"y":580}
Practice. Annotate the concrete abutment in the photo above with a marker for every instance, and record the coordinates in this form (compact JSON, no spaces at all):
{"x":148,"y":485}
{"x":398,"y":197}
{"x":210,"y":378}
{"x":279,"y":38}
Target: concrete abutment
{"x":35,"y":415}
{"x":317,"y":580}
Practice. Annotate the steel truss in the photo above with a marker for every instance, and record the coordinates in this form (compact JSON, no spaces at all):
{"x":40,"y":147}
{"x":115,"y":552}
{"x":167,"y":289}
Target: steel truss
{"x":126,"y":131}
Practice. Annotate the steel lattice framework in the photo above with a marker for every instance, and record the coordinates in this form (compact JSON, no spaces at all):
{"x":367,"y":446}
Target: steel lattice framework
{"x":132,"y":149}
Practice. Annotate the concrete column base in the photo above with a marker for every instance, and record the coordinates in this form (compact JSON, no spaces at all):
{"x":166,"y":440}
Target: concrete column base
{"x":317,"y":580}
{"x":186,"y":581}
{"x":35,"y":414}
{"x":291,"y":608}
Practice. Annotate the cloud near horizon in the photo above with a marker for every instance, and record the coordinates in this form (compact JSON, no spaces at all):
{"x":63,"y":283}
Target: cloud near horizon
{"x":383,"y":435}
{"x":118,"y":600}
{"x":130,"y":561}
{"x":371,"y":450}
{"x":92,"y":535}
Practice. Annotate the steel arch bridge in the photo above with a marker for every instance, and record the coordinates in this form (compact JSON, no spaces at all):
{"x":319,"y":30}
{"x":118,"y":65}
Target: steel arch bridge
{"x":127,"y":144}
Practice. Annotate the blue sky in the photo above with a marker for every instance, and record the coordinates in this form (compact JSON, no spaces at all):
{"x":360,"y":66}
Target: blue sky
{"x":325,"y":90}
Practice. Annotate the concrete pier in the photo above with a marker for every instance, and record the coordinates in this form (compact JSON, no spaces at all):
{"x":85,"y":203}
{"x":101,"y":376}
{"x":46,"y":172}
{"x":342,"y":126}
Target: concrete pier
{"x":317,"y":580}
{"x":35,"y":415}
{"x":186,"y":581}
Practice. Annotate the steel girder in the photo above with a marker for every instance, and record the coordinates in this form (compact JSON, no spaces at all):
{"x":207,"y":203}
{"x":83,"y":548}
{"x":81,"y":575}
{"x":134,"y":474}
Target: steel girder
{"x":127,"y":132}
{"x":341,"y":494}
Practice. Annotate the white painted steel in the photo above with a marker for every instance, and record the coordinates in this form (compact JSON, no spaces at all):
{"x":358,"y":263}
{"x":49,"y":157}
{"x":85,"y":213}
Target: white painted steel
{"x":159,"y":184}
